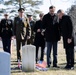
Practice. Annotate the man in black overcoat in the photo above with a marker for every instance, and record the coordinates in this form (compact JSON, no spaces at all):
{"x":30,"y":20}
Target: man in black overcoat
{"x":51,"y":26}
{"x":68,"y":41}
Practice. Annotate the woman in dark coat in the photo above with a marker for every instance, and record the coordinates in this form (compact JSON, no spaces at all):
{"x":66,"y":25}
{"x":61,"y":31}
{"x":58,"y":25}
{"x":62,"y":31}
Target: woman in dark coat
{"x":39,"y":38}
{"x":66,"y":29}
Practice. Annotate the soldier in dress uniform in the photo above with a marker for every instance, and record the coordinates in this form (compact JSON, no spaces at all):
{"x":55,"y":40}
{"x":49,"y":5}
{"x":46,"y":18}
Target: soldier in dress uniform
{"x":6,"y":32}
{"x":32,"y":24}
{"x":21,"y":30}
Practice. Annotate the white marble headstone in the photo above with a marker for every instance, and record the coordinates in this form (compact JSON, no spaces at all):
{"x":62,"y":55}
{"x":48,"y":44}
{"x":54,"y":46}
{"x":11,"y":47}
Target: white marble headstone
{"x":75,"y":48}
{"x":14,"y":42}
{"x":5,"y":63}
{"x":28,"y":58}
{"x":1,"y":44}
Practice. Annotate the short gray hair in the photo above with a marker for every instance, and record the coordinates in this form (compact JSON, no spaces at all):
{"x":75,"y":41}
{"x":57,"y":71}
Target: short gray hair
{"x":60,"y":11}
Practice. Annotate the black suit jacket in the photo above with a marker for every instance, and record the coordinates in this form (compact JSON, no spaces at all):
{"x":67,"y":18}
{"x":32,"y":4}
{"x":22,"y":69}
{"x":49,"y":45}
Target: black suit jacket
{"x":66,"y":30}
{"x":19,"y":28}
{"x":6,"y":28}
{"x":51,"y":26}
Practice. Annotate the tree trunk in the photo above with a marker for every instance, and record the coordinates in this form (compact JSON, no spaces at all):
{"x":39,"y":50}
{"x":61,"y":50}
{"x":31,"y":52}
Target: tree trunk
{"x":19,"y":3}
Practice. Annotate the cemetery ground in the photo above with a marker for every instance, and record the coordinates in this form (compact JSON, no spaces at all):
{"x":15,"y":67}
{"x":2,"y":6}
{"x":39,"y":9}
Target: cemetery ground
{"x":51,"y":71}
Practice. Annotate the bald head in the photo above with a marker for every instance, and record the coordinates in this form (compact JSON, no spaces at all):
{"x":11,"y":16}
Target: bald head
{"x":60,"y":13}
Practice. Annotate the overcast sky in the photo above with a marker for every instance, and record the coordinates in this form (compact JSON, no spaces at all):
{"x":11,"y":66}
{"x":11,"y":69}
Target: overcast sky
{"x":59,"y":4}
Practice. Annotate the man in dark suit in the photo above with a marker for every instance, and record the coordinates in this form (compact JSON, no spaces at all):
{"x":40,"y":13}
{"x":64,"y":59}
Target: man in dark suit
{"x":21,"y":30}
{"x":6,"y":32}
{"x":51,"y":26}
{"x":68,"y":41}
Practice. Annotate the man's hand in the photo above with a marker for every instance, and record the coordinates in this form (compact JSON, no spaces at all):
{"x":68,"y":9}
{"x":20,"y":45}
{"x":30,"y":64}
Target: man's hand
{"x":69,"y":41}
{"x":42,"y":34}
{"x":14,"y":37}
{"x":38,"y":30}
{"x":28,"y":37}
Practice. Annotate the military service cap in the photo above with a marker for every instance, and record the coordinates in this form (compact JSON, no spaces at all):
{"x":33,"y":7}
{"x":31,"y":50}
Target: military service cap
{"x":20,"y":9}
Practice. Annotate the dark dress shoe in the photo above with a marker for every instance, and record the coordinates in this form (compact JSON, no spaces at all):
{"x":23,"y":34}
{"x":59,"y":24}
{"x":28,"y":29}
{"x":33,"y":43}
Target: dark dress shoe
{"x":56,"y":66}
{"x":48,"y":66}
{"x":67,"y":67}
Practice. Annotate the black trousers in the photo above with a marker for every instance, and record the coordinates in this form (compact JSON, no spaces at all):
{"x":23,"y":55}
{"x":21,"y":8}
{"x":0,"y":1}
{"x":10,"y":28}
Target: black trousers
{"x":70,"y":56}
{"x":6,"y":44}
{"x":42,"y":52}
{"x":18,"y":46}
